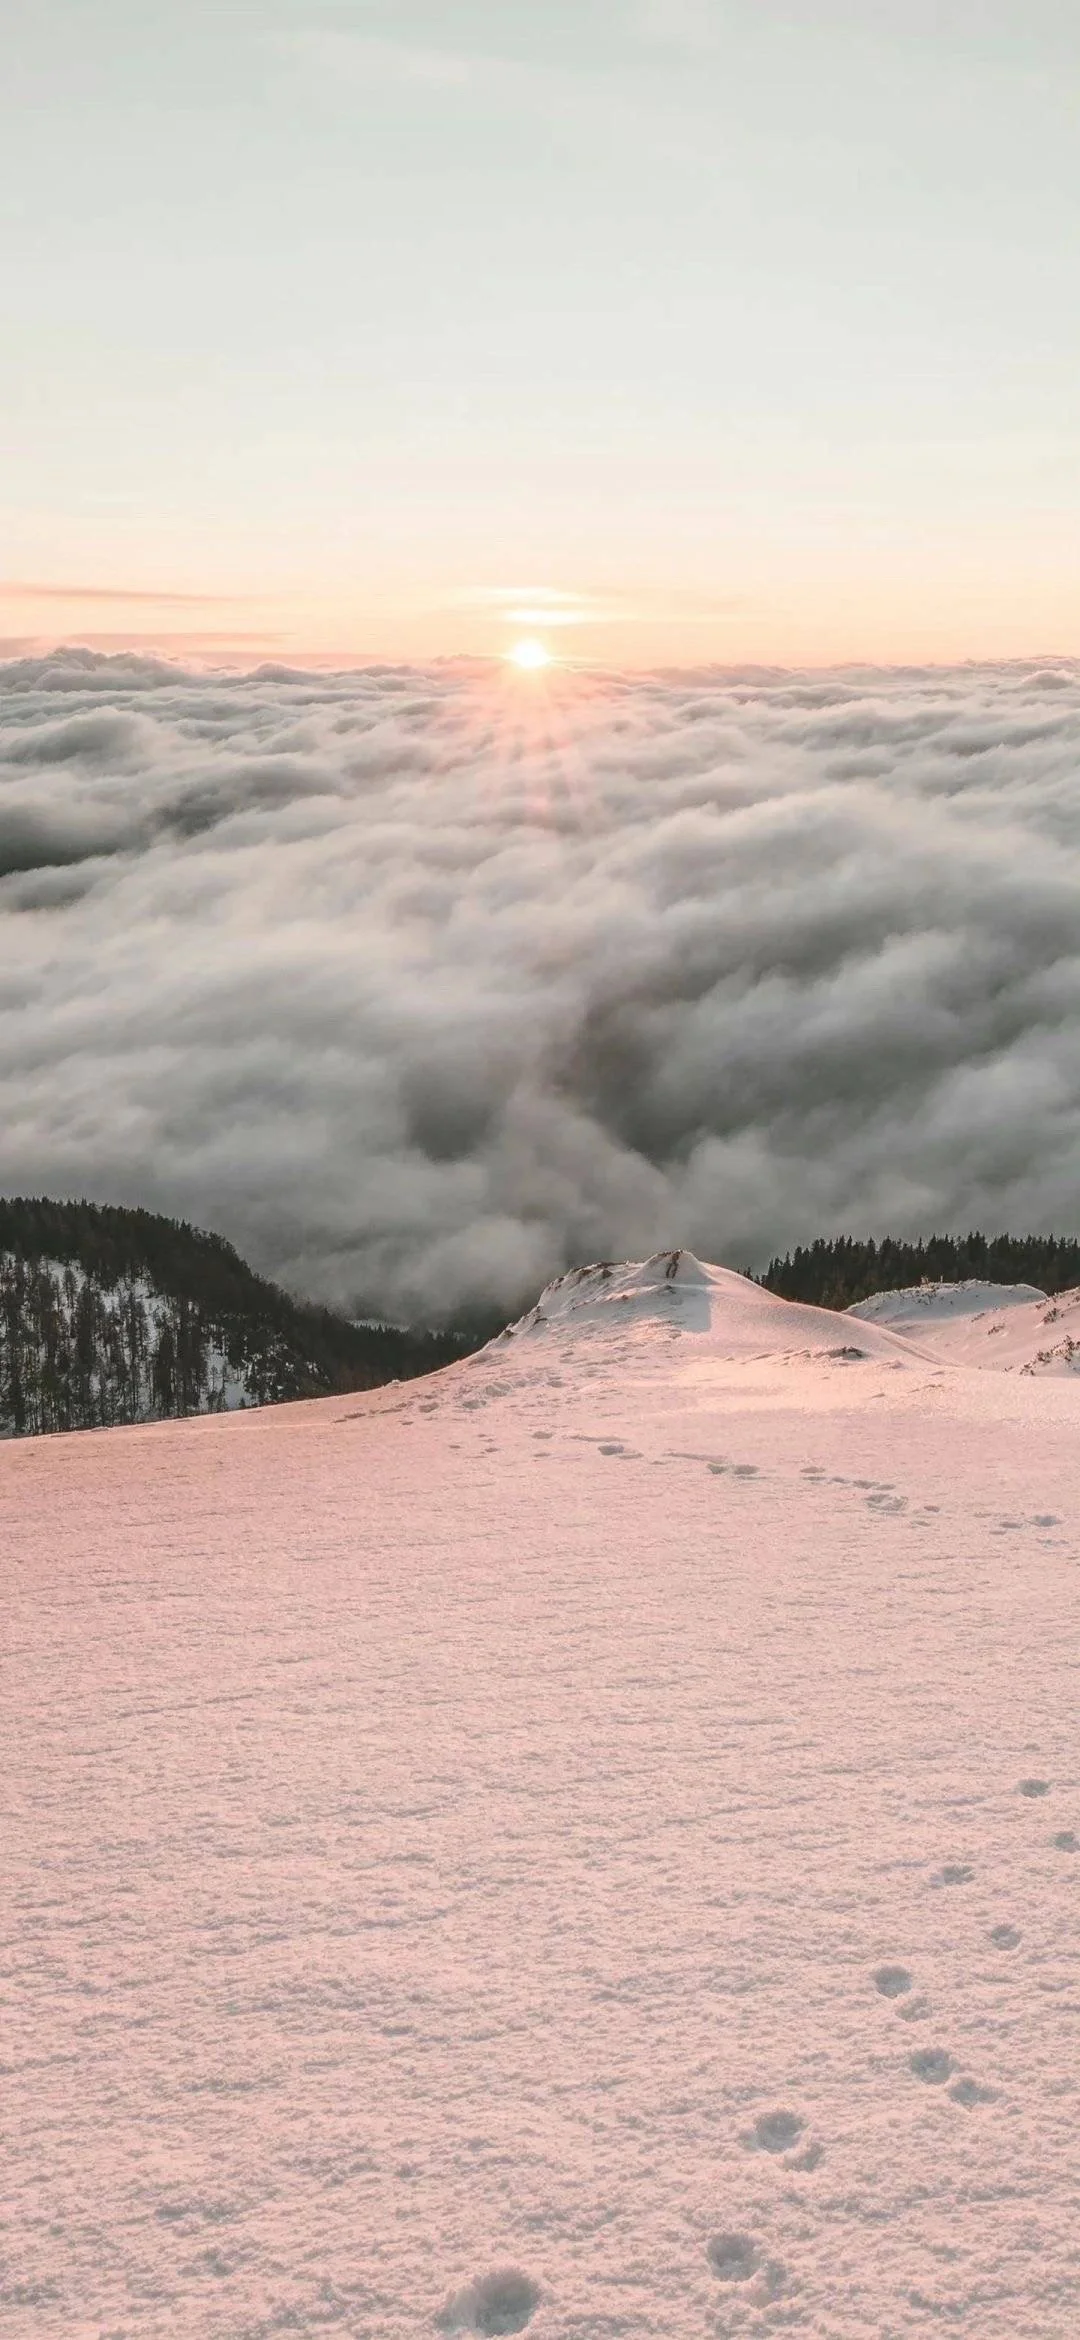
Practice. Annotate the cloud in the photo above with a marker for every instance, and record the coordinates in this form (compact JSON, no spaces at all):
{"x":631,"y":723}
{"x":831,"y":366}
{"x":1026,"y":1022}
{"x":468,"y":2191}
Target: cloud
{"x":695,"y":25}
{"x":547,"y":605}
{"x":423,"y":984}
{"x":374,"y":61}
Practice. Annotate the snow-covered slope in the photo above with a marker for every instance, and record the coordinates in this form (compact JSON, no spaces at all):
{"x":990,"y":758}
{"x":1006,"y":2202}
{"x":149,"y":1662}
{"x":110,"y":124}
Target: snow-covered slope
{"x":673,"y":1293}
{"x":586,"y":1843}
{"x":1004,"y":1328}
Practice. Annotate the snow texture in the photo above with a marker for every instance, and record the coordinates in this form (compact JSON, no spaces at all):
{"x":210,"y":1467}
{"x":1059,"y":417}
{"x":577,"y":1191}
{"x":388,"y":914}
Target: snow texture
{"x":584,"y":1844}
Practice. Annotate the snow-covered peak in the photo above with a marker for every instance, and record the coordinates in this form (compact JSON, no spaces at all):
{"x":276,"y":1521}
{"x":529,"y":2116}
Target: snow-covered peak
{"x":626,"y":1308}
{"x":672,"y":1286}
{"x":673,"y":1294}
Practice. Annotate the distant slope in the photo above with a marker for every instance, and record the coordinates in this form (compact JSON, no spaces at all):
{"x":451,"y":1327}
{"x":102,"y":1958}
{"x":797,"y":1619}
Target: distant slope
{"x":1004,"y":1328}
{"x":110,"y":1316}
{"x":836,"y":1274}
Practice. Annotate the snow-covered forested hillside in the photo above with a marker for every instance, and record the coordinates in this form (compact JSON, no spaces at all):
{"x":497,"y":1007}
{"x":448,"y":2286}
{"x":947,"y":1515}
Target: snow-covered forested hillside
{"x":110,"y":1316}
{"x":586,"y":1843}
{"x":75,"y":1354}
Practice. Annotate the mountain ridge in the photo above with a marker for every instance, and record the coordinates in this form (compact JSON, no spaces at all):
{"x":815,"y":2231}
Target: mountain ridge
{"x":111,"y":1316}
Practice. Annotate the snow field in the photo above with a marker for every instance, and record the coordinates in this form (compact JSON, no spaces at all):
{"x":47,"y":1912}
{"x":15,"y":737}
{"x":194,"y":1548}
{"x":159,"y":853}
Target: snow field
{"x":585,"y":1844}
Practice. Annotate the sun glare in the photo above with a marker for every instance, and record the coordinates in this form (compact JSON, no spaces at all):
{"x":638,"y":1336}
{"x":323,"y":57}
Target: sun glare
{"x":530,"y":654}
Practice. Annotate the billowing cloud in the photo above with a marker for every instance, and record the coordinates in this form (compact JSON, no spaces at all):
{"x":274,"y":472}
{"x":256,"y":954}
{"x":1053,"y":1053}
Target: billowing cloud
{"x":421,"y":985}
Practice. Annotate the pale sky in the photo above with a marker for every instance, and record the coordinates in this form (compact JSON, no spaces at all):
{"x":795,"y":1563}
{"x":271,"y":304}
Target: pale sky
{"x":733,"y":330}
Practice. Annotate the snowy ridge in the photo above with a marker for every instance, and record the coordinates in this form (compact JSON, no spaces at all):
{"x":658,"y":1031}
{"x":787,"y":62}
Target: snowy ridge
{"x":990,"y":1327}
{"x":1002,"y":1328}
{"x":673,"y":1293}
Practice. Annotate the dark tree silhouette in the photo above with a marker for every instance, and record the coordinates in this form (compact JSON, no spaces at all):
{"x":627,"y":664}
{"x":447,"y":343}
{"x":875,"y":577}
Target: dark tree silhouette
{"x":837,"y":1272}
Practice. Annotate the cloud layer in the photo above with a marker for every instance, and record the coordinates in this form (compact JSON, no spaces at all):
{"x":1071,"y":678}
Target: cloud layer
{"x":422,"y":985}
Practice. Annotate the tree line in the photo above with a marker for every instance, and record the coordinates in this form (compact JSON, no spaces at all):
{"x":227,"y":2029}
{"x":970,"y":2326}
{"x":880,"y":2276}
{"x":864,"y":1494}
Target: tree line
{"x":836,"y":1272}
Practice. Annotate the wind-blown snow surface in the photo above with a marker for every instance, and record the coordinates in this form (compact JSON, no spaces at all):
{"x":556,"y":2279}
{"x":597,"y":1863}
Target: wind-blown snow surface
{"x":586,"y":1843}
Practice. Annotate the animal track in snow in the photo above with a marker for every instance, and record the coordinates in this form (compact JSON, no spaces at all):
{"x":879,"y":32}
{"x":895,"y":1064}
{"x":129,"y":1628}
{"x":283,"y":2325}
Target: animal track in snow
{"x":776,"y":2132}
{"x":504,"y":2301}
{"x":1005,"y":1937}
{"x":892,"y":1981}
{"x":1034,"y":1787}
{"x":968,"y":2092}
{"x":733,"y":2257}
{"x":933,"y":2065}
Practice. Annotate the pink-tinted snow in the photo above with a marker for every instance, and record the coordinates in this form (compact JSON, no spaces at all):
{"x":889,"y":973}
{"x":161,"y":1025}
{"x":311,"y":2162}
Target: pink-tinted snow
{"x":585,"y":1843}
{"x":1001,"y":1328}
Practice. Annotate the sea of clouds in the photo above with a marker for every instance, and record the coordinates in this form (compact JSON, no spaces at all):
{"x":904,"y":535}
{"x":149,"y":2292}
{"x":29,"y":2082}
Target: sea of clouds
{"x":421,"y":985}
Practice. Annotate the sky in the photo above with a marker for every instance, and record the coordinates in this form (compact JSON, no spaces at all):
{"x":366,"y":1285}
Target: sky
{"x":424,"y":985}
{"x":674,"y":331}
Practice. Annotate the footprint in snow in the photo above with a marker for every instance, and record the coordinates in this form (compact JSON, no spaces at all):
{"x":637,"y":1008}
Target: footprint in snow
{"x":775,"y":2132}
{"x":968,"y":2092}
{"x":932,"y":2065}
{"x":504,"y":2301}
{"x":894,"y":1982}
{"x":733,"y":2257}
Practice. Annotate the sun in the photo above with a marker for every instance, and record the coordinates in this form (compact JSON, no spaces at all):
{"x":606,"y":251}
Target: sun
{"x":530,"y":654}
